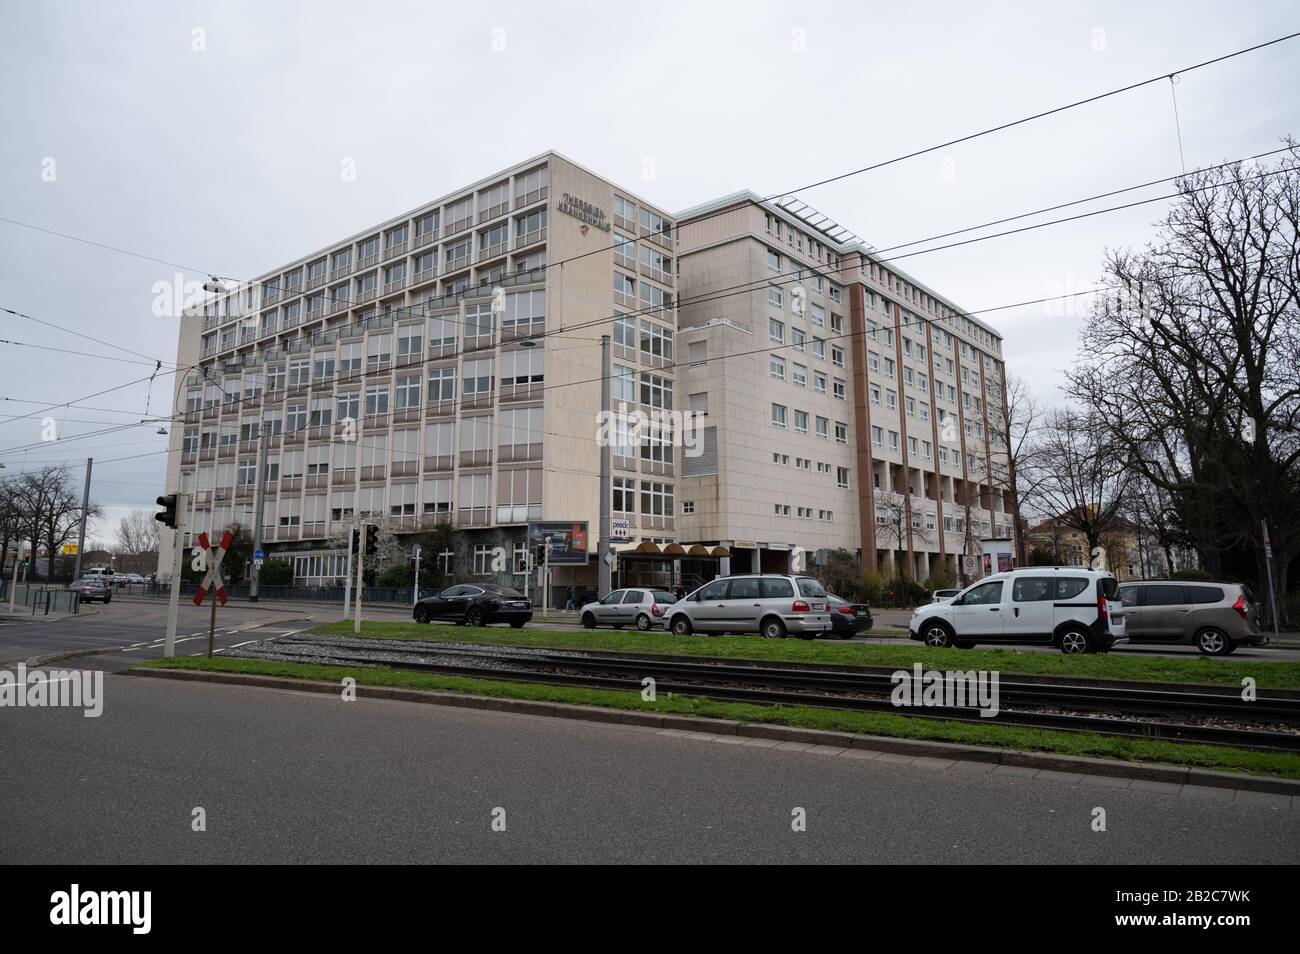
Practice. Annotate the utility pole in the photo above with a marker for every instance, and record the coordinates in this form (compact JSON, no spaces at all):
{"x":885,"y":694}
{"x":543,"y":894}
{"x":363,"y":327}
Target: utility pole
{"x":13,"y":580}
{"x":1268,"y":571}
{"x":347,"y":577}
{"x":85,"y":507}
{"x":260,"y":510}
{"x":183,"y":523}
{"x":416,"y":596}
{"x":606,"y":483}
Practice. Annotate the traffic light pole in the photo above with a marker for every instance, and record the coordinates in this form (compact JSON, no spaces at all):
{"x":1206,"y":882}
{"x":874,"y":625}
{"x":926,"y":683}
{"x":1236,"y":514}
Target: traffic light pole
{"x":174,"y":597}
{"x":261,"y":509}
{"x":361,"y":559}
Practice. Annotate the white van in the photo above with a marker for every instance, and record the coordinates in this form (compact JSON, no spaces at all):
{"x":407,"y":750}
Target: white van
{"x":102,"y":573}
{"x":1074,"y":609}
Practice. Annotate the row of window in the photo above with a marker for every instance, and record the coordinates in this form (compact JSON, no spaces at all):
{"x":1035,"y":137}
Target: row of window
{"x":781,"y":419}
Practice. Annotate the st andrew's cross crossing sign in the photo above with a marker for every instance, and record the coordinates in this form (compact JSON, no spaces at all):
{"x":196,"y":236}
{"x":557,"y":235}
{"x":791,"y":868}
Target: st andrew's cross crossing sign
{"x":213,"y":578}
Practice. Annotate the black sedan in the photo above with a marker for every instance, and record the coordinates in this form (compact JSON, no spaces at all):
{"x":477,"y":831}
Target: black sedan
{"x":475,"y":605}
{"x":848,"y":619}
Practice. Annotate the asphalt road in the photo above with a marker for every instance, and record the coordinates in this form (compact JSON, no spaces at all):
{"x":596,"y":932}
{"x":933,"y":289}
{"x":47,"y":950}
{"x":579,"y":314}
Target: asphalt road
{"x":308,"y":778}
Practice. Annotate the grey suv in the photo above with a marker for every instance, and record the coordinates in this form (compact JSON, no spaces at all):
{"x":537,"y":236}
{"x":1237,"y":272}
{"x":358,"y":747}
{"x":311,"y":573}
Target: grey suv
{"x":1216,"y":618}
{"x":774,"y":606}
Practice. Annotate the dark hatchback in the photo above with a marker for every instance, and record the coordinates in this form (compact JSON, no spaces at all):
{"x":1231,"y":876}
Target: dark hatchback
{"x":475,"y":605}
{"x":91,"y":590}
{"x":848,"y":619}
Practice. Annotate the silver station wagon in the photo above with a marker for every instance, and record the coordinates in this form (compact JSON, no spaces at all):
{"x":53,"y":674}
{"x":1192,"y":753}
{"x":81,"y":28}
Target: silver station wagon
{"x":772,"y":605}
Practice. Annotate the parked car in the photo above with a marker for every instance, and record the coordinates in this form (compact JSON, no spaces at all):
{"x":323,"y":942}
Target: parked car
{"x":475,"y":605}
{"x":102,"y":573}
{"x":635,"y":606}
{"x":1216,"y":618}
{"x":134,"y":578}
{"x":939,"y":596}
{"x":1075,"y":609}
{"x":848,"y":619}
{"x":772,"y":605}
{"x":92,"y":589}
{"x":121,"y":579}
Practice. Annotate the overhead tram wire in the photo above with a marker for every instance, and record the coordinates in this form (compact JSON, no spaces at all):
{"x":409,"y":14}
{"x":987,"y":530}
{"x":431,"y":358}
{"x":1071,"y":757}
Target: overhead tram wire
{"x":82,"y":334}
{"x":777,"y":195}
{"x":715,"y":295}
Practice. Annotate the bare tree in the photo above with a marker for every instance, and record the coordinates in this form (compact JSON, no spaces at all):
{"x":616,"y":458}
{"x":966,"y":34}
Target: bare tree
{"x":1079,"y":477}
{"x":49,"y":512}
{"x":1194,"y":363}
{"x":138,"y":533}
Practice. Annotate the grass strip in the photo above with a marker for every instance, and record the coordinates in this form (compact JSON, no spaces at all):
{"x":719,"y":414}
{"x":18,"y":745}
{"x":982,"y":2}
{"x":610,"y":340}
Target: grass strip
{"x":1198,"y":670}
{"x":1281,"y":765}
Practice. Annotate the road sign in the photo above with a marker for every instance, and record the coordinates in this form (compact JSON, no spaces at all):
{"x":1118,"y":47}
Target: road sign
{"x":69,"y":549}
{"x":619,"y":527}
{"x":258,"y":555}
{"x":213,"y":578}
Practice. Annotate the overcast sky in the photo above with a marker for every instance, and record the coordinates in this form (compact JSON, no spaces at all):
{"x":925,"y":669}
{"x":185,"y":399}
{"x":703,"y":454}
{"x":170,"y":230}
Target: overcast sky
{"x":213,"y":135}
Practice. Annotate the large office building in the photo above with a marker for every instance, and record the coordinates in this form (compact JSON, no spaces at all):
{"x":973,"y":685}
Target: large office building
{"x":848,"y":406}
{"x":443,"y":368}
{"x":440,"y":368}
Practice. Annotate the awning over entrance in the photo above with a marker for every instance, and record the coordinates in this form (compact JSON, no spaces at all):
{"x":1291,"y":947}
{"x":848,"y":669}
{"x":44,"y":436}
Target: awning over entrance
{"x":647,"y":548}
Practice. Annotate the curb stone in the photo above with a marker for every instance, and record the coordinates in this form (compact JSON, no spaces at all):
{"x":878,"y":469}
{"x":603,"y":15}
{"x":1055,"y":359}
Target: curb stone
{"x":1077,"y":765}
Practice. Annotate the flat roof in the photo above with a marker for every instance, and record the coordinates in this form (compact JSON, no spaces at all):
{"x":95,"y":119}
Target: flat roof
{"x":827,"y":233}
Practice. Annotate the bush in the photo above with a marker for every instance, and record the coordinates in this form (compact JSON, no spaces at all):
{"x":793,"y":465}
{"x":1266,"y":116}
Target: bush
{"x":938,"y":580}
{"x":873,"y":588}
{"x":397,"y":575}
{"x":275,"y":573}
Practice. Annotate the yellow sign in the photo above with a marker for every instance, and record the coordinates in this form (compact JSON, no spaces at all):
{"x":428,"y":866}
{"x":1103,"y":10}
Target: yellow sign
{"x":69,"y":549}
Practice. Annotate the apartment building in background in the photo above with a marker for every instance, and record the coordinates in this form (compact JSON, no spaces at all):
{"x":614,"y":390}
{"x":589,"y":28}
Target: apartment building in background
{"x":469,"y":362}
{"x":846,"y":404}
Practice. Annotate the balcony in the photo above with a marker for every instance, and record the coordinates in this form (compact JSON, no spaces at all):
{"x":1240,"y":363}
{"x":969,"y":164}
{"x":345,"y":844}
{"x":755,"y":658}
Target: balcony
{"x":286,"y":533}
{"x":424,"y":275}
{"x":476,"y":458}
{"x":438,"y":463}
{"x":436,"y":409}
{"x":517,"y":453}
{"x":516,"y":393}
{"x":317,"y":481}
{"x":316,"y":530}
{"x":367,"y":261}
{"x":344,"y":477}
{"x":405,"y":468}
{"x":457,"y":263}
{"x":438,"y":518}
{"x":459,"y":225}
{"x":397,"y":248}
{"x":373,"y":473}
{"x":477,"y":400}
{"x":396,"y":285}
{"x":376,"y":422}
{"x":522,"y":329}
{"x":406,"y":415}
{"x":425,"y":238}
{"x":341,"y":271}
{"x":365,"y":295}
{"x":473,"y":517}
{"x":227,"y":450}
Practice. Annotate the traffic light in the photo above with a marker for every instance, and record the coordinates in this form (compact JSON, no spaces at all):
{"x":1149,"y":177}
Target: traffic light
{"x":372,"y":539}
{"x":541,"y":554}
{"x":352,"y":540}
{"x":168,"y":516}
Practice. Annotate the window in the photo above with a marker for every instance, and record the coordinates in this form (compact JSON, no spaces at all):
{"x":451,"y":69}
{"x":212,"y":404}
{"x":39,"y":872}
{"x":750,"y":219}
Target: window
{"x":623,"y":384}
{"x":442,"y":330}
{"x":656,"y":392}
{"x":656,"y":340}
{"x":838,"y":390}
{"x":800,"y":375}
{"x":774,"y":260}
{"x":407,"y":393}
{"x":442,"y":384}
{"x":657,"y":499}
{"x":778,"y":415}
{"x":797,"y":339}
{"x":841,"y":477}
{"x":376,"y":400}
{"x":625,"y":494}
{"x":379,"y":351}
{"x":295,"y":418}
{"x":823,"y":428}
{"x":523,"y":308}
{"x":410,"y":340}
{"x":774,"y":298}
{"x":819,"y":382}
{"x":801,"y":422}
{"x":478,"y":377}
{"x":775,"y":331}
{"x":348,"y":406}
{"x":479,"y":324}
{"x":841,"y":432}
{"x":837,"y":356}
{"x":625,"y":331}
{"x":522,"y":368}
{"x":776,"y":367}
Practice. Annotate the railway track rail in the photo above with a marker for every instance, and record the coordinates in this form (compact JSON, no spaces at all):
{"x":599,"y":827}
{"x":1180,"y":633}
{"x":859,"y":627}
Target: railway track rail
{"x":1270,"y":723}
